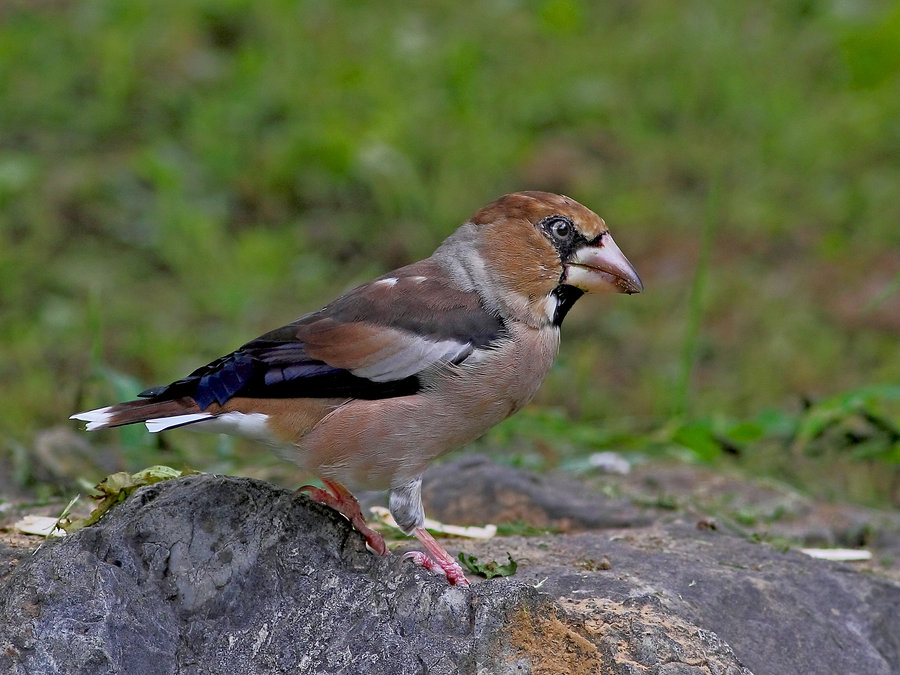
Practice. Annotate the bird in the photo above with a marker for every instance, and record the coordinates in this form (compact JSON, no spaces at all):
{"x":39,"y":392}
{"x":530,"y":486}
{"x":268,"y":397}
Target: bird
{"x":369,"y":390}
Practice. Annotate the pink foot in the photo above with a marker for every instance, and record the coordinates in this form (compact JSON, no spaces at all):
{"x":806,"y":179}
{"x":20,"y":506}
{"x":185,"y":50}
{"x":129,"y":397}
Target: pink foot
{"x":339,"y":498}
{"x":436,"y":559}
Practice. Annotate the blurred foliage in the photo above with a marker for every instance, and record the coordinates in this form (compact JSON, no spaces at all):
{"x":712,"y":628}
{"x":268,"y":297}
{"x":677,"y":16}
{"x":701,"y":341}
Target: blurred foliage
{"x":843,"y":446}
{"x":178,"y":177}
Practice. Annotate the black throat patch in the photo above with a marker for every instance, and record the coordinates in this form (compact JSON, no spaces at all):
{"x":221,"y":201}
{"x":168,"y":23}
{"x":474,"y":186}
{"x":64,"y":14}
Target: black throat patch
{"x":565,"y":297}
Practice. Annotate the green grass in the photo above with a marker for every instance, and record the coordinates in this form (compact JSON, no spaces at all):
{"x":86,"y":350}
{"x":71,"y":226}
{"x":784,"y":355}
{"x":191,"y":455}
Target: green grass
{"x":178,"y":177}
{"x":843,"y":447}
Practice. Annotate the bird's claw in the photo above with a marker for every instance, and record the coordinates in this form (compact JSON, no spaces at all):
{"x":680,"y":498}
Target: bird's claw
{"x":447,"y":568}
{"x":339,"y":498}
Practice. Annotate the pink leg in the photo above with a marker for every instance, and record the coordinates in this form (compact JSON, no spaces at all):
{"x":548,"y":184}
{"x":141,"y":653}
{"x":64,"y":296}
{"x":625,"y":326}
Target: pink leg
{"x":437,"y":559}
{"x":339,"y":498}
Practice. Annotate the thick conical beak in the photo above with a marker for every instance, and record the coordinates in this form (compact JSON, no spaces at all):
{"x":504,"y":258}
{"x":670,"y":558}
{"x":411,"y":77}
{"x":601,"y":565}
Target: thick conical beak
{"x":602,"y":267}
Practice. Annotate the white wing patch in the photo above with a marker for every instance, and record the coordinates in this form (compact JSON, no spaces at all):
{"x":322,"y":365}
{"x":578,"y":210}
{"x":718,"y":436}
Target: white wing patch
{"x":249,"y":425}
{"x":414,"y":357}
{"x":158,"y":424}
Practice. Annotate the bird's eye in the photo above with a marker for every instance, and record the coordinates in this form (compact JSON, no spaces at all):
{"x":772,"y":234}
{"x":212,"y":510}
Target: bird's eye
{"x":561,"y":228}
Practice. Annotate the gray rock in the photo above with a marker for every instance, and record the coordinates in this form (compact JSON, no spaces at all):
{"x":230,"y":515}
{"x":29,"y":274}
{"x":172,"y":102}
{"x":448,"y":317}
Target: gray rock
{"x":209,"y":574}
{"x":214,"y":574}
{"x":472,"y":490}
{"x":780,"y":611}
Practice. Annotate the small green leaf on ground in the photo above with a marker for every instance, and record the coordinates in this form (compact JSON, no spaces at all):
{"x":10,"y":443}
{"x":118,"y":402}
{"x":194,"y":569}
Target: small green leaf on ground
{"x":489,"y":569}
{"x":115,"y":489}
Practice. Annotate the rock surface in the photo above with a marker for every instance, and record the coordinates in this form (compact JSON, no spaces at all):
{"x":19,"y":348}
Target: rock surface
{"x":210,"y":574}
{"x":494,"y":493}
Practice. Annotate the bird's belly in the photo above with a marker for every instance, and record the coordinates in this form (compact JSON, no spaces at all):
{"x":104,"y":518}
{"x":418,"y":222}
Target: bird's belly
{"x":387,"y":442}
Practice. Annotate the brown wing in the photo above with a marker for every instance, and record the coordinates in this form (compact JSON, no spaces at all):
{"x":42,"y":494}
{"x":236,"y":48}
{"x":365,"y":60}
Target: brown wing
{"x":370,"y":343}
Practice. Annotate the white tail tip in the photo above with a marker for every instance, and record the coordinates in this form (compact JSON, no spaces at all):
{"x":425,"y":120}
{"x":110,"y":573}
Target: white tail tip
{"x":96,"y":419}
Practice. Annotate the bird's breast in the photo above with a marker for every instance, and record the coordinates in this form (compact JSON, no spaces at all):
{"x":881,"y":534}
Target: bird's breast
{"x":377,"y":444}
{"x":509,"y":374}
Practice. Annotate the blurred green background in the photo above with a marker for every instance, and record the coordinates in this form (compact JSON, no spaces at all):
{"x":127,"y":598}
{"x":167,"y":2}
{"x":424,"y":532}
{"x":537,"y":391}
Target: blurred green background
{"x":179,"y":177}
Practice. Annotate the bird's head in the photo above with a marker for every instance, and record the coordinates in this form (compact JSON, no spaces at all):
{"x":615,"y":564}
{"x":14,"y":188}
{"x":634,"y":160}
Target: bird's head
{"x":542,"y":251}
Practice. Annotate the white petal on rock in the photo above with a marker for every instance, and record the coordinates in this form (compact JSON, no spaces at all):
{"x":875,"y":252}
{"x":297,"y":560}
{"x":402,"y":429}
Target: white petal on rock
{"x":838,"y":554}
{"x":610,"y":462}
{"x":471,"y":532}
{"x":39,"y":525}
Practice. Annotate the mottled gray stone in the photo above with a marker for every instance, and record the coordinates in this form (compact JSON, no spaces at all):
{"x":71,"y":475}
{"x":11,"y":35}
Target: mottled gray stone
{"x":471,"y":489}
{"x":209,"y":574}
{"x":212,"y":574}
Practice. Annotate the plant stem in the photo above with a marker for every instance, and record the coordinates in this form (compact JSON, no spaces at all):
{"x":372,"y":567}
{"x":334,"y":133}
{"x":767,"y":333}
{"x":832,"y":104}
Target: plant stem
{"x":695,"y":302}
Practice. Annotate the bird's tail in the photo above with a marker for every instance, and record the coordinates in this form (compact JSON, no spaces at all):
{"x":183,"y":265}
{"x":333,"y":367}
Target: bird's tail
{"x":157,"y":415}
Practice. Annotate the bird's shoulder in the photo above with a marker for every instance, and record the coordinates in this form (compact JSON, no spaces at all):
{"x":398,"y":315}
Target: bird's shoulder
{"x":422,"y":299}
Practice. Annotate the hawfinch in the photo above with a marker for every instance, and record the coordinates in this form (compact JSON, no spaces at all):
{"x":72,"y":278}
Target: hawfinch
{"x":367,"y":391}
